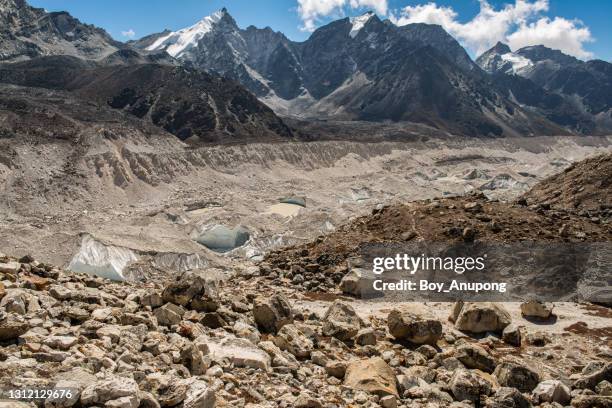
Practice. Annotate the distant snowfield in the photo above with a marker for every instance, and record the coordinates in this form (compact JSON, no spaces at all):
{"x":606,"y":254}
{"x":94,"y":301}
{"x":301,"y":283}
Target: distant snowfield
{"x":177,"y":42}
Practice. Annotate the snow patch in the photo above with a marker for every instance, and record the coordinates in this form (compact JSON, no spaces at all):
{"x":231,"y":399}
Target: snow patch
{"x":177,"y":42}
{"x":106,"y":261}
{"x":518,"y":62}
{"x":359,"y":22}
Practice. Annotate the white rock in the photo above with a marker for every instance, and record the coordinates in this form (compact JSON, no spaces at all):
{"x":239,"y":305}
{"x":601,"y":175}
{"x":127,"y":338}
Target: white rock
{"x":240,"y":352}
{"x":552,"y":391}
{"x":60,"y":342}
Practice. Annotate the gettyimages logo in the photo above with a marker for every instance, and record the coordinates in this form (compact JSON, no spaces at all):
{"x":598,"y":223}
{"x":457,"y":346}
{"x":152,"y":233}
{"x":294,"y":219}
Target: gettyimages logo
{"x":498,"y":272}
{"x":412,"y":264}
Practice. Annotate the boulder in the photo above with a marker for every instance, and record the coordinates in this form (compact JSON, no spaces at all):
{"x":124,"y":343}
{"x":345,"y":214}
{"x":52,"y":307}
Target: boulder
{"x":366,"y":337}
{"x":513,"y":374}
{"x":192,"y":289}
{"x":372,"y":375}
{"x":239,"y":352}
{"x":272,"y":313}
{"x":413,"y":328}
{"x":590,"y":380}
{"x":109,"y":390}
{"x":291,"y":339}
{"x":279,"y":357}
{"x":551,"y":391}
{"x":507,"y":397}
{"x":536,"y":309}
{"x":12,"y":326}
{"x":336,"y":369}
{"x":591,"y":401}
{"x":67,"y":399}
{"x":307,"y":401}
{"x":512,"y":335}
{"x":341,"y":321}
{"x":358,"y":282}
{"x":466,"y":385}
{"x":199,"y":395}
{"x":476,"y":357}
{"x":152,"y":299}
{"x":15,"y":301}
{"x":10,"y":267}
{"x":169,"y":314}
{"x":60,"y":342}
{"x":480,"y":317}
{"x":390,"y":401}
{"x":604,"y":388}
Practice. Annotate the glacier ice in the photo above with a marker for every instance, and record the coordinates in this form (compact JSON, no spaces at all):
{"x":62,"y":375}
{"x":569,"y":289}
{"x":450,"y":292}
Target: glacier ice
{"x":106,"y":261}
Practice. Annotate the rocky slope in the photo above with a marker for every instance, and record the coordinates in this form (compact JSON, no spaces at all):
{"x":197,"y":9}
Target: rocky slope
{"x":356,"y":69}
{"x":28,"y":32}
{"x":190,"y":104}
{"x":584,"y":188}
{"x":197,"y":342}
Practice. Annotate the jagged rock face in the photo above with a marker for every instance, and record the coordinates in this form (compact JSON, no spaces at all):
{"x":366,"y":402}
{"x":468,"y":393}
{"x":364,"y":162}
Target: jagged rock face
{"x":570,"y":92}
{"x":28,"y":32}
{"x":354,"y":69}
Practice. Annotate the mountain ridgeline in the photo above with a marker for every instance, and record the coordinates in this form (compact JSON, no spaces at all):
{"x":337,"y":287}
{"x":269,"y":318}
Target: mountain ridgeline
{"x":214,"y":81}
{"x":363,"y":68}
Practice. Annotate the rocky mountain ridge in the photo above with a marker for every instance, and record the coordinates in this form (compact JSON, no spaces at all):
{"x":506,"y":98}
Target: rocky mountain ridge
{"x":28,"y":32}
{"x":356,"y":69}
{"x":352,"y":69}
{"x":191,"y":104}
{"x":585,"y":88}
{"x":362,"y":68}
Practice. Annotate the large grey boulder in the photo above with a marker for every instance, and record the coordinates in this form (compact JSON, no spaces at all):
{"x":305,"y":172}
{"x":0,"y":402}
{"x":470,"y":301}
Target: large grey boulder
{"x":290,"y":338}
{"x":480,"y":317}
{"x":551,"y":391}
{"x":519,"y":376}
{"x":272,"y":313}
{"x":466,"y":385}
{"x":169,"y":314}
{"x":341,"y":321}
{"x":416,"y":329}
{"x":194,"y":290}
{"x":536,"y":309}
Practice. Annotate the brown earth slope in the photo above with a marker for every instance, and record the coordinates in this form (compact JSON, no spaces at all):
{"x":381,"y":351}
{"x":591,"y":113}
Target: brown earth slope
{"x":584,"y":188}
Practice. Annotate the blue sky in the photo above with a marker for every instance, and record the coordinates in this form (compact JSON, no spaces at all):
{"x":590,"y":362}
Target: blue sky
{"x":581,"y":28}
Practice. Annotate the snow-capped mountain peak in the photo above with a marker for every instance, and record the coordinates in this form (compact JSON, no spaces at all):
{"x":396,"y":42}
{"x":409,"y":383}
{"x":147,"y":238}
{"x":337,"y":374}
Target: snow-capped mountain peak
{"x":501,"y":59}
{"x":359,"y":22}
{"x":177,"y":42}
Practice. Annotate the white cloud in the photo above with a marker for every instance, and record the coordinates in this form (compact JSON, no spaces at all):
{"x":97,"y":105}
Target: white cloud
{"x":559,"y":33}
{"x":519,"y":24}
{"x":129,"y":33}
{"x":312,"y":10}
